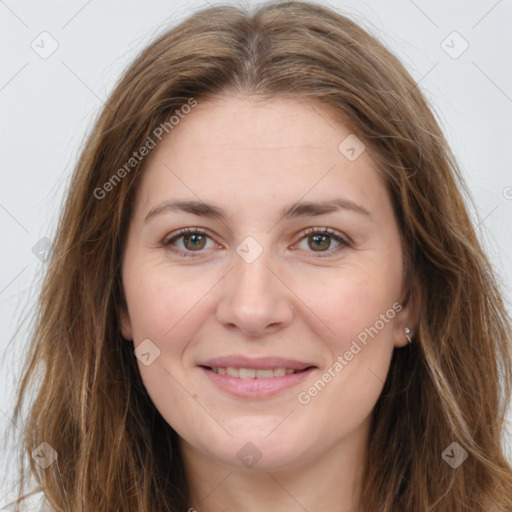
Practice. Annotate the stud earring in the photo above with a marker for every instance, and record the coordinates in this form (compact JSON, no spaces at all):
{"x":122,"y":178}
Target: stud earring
{"x":408,"y":333}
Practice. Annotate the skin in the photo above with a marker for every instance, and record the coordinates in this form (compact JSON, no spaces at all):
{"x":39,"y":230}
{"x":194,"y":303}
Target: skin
{"x":253,"y":158}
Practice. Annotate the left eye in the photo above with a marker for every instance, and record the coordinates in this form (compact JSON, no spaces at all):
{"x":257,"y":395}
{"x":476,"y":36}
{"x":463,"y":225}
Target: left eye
{"x":194,"y":241}
{"x":321,"y":238}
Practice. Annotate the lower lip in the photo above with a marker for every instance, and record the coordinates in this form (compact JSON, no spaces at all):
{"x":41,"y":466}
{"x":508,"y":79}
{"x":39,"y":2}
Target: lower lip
{"x":256,"y":388}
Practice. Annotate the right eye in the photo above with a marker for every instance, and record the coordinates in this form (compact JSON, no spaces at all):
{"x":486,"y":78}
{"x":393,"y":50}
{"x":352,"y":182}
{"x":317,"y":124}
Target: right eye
{"x":193,"y":240}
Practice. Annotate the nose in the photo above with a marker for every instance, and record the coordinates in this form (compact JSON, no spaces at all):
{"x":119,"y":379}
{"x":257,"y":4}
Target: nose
{"x":255,"y":298}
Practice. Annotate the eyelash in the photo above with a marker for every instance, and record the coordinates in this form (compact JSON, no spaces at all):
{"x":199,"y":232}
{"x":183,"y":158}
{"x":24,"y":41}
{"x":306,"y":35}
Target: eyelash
{"x":167,"y":242}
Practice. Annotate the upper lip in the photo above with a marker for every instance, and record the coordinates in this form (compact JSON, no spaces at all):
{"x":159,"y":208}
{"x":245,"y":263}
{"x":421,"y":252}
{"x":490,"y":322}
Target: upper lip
{"x":258,"y":363}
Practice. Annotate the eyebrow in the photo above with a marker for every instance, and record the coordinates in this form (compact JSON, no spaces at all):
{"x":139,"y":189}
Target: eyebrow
{"x":294,"y":210}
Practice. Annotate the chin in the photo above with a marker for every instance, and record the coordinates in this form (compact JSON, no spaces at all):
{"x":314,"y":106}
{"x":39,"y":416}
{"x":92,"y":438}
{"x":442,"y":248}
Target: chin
{"x":250,"y":457}
{"x":265,"y":449}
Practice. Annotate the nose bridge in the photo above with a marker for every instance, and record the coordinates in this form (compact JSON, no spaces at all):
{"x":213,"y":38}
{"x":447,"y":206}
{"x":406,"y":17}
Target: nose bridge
{"x":253,"y":297}
{"x":252,"y":277}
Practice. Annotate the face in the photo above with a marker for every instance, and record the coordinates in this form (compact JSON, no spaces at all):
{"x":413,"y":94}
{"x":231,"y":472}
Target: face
{"x":265,"y":331}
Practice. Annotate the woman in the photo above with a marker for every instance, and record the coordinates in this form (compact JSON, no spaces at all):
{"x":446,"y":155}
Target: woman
{"x":266,"y":292}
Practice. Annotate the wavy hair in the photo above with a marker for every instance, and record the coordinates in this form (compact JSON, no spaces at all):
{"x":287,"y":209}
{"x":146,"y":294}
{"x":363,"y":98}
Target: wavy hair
{"x":453,"y":383}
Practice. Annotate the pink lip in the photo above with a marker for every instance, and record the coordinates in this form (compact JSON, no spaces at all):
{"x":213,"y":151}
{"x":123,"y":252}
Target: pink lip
{"x":256,"y":388}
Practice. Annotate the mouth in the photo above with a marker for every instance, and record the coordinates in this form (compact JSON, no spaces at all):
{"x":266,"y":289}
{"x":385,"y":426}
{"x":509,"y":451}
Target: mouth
{"x":253,"y":373}
{"x":255,"y":378}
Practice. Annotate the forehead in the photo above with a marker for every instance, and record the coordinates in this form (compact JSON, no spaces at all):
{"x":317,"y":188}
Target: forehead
{"x":246,"y":150}
{"x":284,"y":128}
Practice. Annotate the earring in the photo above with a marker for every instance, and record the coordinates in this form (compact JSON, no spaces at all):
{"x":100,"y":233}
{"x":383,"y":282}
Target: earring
{"x":408,"y":334}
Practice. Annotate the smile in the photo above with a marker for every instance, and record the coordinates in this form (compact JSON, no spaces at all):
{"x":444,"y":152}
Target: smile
{"x":261,"y":378}
{"x":253,"y":373}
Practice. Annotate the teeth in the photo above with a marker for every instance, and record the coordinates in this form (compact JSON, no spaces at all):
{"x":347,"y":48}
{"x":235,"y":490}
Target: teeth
{"x":248,"y":373}
{"x":264,"y":374}
{"x":251,"y":373}
{"x":232,"y":372}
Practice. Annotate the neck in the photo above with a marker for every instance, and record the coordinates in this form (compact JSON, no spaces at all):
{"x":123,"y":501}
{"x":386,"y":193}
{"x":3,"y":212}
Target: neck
{"x":330,"y":482}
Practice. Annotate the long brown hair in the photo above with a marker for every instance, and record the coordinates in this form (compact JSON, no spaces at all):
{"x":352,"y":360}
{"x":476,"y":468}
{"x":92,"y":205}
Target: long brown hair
{"x":115,"y":452}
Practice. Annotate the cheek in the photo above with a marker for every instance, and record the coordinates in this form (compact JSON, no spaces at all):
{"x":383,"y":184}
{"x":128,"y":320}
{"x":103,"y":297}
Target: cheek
{"x":160,"y":299}
{"x":351,"y":301}
{"x":359,"y":312}
{"x":359,"y":307}
{"x":165,"y":307}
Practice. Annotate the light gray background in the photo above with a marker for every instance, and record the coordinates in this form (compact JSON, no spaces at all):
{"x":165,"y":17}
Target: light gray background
{"x":47,"y":105}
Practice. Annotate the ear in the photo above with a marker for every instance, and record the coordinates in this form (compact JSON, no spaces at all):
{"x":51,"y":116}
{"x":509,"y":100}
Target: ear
{"x":408,"y":316}
{"x":125,"y":323}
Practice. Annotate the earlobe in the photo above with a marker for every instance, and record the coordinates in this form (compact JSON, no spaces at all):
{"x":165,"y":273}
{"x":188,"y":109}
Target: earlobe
{"x":125,"y":324}
{"x":407,"y":319}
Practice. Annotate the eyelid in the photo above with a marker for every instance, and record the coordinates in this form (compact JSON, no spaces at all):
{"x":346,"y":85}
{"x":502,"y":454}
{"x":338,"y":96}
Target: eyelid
{"x":328,"y":231}
{"x":343,"y":240}
{"x":175,"y":235}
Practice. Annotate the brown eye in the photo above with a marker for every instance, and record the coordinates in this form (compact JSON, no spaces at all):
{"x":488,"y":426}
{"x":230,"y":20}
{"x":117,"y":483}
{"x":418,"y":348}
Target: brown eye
{"x":194,"y":241}
{"x":187,"y":242}
{"x":322,"y":242}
